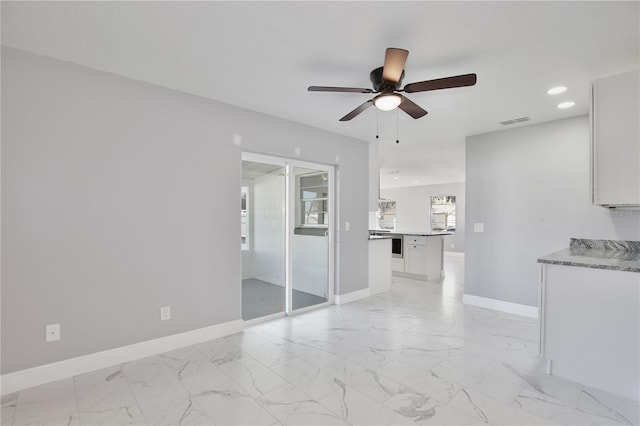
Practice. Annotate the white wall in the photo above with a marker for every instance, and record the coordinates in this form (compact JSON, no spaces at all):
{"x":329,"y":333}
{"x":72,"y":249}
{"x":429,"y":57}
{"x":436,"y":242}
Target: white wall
{"x":119,"y":197}
{"x":413,"y":210}
{"x":530,"y":187}
{"x":268,"y":228}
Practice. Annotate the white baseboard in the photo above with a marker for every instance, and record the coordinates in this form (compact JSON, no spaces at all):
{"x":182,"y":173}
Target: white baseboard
{"x":454,"y":253}
{"x":500,"y":305}
{"x":341,"y":299}
{"x":265,"y":318}
{"x":23,"y":379}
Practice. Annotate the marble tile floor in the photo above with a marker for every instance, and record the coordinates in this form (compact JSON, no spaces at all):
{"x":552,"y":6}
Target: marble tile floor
{"x":415,"y":355}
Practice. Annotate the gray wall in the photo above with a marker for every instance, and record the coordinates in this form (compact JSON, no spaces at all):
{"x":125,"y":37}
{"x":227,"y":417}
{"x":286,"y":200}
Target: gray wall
{"x":530,"y":187}
{"x":413,"y":209}
{"x":119,"y":197}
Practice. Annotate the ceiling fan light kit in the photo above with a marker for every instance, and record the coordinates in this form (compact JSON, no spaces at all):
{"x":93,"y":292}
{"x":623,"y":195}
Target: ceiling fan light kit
{"x":387,"y":101}
{"x":387,"y":80}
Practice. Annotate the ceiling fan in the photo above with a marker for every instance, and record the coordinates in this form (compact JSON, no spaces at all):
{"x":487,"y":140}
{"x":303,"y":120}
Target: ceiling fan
{"x":386,"y":81}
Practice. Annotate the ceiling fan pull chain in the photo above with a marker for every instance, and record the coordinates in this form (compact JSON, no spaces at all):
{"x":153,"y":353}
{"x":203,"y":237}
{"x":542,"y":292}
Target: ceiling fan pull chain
{"x":377,"y":126}
{"x":397,"y":131}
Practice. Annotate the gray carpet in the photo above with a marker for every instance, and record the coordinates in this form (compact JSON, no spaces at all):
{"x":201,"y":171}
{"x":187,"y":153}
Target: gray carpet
{"x":260,"y":298}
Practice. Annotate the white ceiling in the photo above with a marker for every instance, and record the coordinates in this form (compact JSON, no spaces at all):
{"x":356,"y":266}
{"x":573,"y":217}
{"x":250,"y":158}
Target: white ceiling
{"x":263,"y":55}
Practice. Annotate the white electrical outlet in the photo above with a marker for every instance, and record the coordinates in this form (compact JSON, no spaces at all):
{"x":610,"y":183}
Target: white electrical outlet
{"x":165,"y":313}
{"x":478,"y":227}
{"x":52,"y":332}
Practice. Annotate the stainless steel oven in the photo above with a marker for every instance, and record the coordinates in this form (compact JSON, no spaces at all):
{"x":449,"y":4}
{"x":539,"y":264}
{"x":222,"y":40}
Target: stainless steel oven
{"x":396,"y":246}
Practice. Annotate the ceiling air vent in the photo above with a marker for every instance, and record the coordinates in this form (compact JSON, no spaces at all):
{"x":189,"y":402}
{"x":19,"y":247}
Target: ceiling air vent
{"x":514,"y":121}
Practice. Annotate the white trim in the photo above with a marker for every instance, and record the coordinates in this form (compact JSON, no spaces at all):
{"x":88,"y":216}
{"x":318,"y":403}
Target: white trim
{"x":542,"y":302}
{"x":289,"y":202}
{"x":23,"y":379}
{"x":500,"y":305}
{"x":265,"y":318}
{"x":341,"y":299}
{"x":454,"y":253}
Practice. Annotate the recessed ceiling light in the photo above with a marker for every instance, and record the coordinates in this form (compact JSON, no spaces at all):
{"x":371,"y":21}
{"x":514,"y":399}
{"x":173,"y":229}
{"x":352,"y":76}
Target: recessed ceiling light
{"x":396,"y":178}
{"x":556,"y":90}
{"x":565,"y":105}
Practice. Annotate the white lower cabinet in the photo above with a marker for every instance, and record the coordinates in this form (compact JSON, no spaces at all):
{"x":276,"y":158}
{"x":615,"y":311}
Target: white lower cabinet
{"x":422,"y":258}
{"x":590,"y":328}
{"x":415,"y":259}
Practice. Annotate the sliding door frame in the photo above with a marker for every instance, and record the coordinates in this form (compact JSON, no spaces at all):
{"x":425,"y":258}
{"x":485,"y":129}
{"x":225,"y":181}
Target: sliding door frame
{"x":289,"y":210}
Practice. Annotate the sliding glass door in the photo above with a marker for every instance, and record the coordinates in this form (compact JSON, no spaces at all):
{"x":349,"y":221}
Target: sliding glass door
{"x":286,"y":236}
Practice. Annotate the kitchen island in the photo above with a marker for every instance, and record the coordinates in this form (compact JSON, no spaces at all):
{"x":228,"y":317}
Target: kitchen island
{"x":418,"y":255}
{"x":590,"y":314}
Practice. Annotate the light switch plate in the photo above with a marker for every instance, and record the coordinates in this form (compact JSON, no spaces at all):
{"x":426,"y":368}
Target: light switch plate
{"x":347,"y":226}
{"x":165,"y":313}
{"x":478,"y":227}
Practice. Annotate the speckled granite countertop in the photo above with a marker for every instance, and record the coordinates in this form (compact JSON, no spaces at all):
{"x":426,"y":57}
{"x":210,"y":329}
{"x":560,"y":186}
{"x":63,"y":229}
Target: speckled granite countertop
{"x":599,"y":254}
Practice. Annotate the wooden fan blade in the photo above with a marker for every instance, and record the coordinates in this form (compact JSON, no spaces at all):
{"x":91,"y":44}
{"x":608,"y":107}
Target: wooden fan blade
{"x":394,"y":60}
{"x":338,"y":89}
{"x":441,"y":83}
{"x":357,"y":110}
{"x":411,"y":108}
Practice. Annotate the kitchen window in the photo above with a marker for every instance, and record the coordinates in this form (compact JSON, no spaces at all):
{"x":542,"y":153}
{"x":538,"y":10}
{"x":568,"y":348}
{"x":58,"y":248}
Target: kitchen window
{"x":387,"y":214}
{"x":443,"y":213}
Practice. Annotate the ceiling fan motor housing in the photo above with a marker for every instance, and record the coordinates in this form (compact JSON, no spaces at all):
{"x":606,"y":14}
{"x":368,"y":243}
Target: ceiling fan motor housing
{"x":381,"y":85}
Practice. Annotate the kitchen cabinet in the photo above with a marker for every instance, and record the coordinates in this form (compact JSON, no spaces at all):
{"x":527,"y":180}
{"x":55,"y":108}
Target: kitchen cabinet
{"x":590,"y":327}
{"x":615,"y":140}
{"x":590,"y":314}
{"x":415,"y":255}
{"x":422,"y":257}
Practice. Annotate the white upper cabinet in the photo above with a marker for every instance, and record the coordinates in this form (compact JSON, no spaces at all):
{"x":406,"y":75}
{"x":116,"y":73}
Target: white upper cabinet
{"x":615,"y":141}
